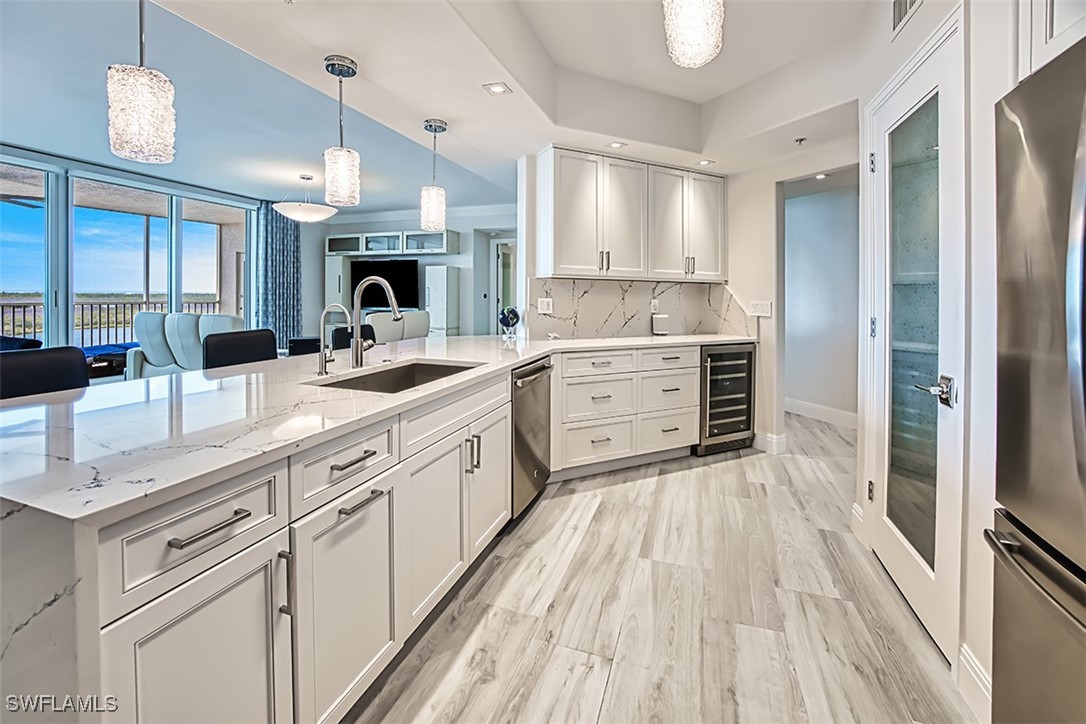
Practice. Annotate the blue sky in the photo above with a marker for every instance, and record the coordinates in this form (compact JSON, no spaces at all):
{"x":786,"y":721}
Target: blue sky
{"x":107,"y":254}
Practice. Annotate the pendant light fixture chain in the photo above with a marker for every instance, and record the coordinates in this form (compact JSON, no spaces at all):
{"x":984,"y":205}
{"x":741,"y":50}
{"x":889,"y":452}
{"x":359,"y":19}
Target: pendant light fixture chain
{"x":143,"y":37}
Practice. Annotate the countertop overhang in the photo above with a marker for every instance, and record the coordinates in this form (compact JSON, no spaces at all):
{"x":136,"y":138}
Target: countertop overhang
{"x":105,"y":453}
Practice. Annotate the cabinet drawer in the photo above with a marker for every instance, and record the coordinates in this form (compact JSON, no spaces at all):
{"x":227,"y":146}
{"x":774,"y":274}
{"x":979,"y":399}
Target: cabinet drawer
{"x":589,"y":398}
{"x":143,"y":557}
{"x":321,"y":473}
{"x":668,"y":358}
{"x":667,"y":430}
{"x":426,"y":425}
{"x":668,"y":390}
{"x":580,"y":364}
{"x":590,"y":442}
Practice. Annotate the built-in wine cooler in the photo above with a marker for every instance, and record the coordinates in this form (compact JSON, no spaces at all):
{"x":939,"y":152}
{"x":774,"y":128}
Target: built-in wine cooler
{"x":727,"y":398}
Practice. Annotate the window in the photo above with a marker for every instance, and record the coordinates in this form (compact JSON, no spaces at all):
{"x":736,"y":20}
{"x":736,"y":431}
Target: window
{"x":903,"y":9}
{"x":212,"y":256}
{"x":23,"y":252}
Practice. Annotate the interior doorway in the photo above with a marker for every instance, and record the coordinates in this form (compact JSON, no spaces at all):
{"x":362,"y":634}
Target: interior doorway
{"x":503,"y":279}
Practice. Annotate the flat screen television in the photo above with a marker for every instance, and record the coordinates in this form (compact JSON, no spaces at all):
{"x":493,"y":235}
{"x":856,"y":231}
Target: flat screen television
{"x":401,"y":274}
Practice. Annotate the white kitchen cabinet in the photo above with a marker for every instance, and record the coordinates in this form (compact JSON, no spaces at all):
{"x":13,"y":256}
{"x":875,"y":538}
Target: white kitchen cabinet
{"x":490,"y":482}
{"x":337,"y":281}
{"x":431,"y":539}
{"x":577,"y":234}
{"x":216,"y":648}
{"x":625,"y":218}
{"x":705,"y":227}
{"x":1046,"y":29}
{"x":442,"y":299}
{"x":344,"y":618}
{"x":667,"y":223}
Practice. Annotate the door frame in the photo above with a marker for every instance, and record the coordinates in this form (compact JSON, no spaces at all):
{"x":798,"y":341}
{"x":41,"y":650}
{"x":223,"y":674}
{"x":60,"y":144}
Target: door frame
{"x":873,"y":368}
{"x":492,"y":283}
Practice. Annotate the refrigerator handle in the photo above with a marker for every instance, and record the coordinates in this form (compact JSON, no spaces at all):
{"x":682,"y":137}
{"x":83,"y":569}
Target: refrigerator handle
{"x":1073,"y":285}
{"x":1004,"y":548}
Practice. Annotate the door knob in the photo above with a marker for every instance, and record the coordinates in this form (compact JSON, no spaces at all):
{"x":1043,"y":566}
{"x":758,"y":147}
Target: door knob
{"x":944,"y":390}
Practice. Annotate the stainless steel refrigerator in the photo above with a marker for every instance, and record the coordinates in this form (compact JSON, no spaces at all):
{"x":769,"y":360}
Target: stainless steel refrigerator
{"x":1039,"y":532}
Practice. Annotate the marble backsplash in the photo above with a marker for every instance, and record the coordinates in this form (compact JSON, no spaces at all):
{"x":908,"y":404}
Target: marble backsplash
{"x":604,"y":308}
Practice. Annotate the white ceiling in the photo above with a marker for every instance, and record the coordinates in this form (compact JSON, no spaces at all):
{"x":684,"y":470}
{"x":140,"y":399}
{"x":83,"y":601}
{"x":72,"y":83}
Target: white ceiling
{"x":623,"y":40}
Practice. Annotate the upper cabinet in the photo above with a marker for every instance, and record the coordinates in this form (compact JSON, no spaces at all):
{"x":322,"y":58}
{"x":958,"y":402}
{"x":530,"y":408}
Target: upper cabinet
{"x":1046,"y":29}
{"x":601,"y":217}
{"x":386,"y":243}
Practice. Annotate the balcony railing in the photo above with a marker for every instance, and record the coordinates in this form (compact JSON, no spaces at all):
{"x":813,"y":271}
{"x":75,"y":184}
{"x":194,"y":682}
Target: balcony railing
{"x":96,"y":322}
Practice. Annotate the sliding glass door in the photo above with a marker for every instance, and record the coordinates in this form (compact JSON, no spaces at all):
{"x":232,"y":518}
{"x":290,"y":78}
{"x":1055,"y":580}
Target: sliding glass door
{"x":24,"y":243}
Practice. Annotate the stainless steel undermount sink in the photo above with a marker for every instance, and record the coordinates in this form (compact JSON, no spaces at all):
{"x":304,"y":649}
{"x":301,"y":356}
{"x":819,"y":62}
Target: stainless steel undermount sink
{"x":399,"y":377}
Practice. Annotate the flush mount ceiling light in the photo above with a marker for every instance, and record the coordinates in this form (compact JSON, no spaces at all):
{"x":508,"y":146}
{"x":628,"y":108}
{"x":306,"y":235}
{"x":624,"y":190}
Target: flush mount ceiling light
{"x":694,"y":31}
{"x":705,"y":162}
{"x":432,"y":201}
{"x":141,"y":116}
{"x":497,"y":89}
{"x":821,"y":176}
{"x":342,"y":185}
{"x":617,"y":144}
{"x":304,"y":211}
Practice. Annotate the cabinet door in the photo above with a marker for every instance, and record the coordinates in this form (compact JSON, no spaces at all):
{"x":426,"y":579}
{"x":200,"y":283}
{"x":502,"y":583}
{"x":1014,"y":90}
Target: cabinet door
{"x":705,"y":227}
{"x":1054,"y":26}
{"x":578,"y":227}
{"x":490,"y":482}
{"x":625,"y":218}
{"x":337,"y":281}
{"x":215,"y":649}
{"x":344,"y":619}
{"x":667,"y":223}
{"x":431,"y":539}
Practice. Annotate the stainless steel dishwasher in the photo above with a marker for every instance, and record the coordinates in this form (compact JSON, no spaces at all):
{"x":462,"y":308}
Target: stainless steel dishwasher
{"x":531,"y":432}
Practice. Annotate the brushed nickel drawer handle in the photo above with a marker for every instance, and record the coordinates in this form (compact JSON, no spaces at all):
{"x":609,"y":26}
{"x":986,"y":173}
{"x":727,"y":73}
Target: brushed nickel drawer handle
{"x":181,"y":544}
{"x":477,"y":451}
{"x":366,"y":455}
{"x":288,"y":607}
{"x":669,"y":429}
{"x":374,"y":495}
{"x":672,"y":358}
{"x":599,"y":440}
{"x":601,"y":397}
{"x":672,"y":389}
{"x":601,"y":363}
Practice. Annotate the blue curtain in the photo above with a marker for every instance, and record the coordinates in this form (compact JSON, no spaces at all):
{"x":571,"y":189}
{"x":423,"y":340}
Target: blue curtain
{"x":278,"y":303}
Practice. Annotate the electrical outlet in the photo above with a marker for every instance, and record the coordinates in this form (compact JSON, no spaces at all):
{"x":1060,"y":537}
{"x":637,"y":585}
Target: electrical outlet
{"x":545,"y":305}
{"x":761,"y":309}
{"x":654,"y":306}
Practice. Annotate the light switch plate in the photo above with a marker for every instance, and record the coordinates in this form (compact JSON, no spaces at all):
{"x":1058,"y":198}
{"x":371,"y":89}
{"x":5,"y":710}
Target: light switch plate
{"x":654,"y":306}
{"x":545,"y":305}
{"x":761,"y":309}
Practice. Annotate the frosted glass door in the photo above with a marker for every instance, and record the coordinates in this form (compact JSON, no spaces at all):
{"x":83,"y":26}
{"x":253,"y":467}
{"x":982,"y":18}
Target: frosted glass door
{"x":914,"y":329}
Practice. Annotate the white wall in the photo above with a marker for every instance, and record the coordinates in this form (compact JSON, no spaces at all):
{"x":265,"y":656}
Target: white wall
{"x":312,"y":236}
{"x":821,"y":303}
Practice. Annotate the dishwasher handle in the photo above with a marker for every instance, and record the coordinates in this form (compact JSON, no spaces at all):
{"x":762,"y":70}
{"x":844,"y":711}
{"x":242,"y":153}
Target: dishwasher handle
{"x":532,"y":374}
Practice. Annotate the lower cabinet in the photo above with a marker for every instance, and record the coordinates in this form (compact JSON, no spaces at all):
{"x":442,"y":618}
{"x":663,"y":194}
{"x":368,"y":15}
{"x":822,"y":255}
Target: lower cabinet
{"x":489,"y":483}
{"x":216,"y":648}
{"x":431,"y":540}
{"x":344,"y":609}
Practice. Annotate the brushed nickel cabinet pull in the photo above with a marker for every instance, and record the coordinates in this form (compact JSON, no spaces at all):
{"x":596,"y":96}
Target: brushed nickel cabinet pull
{"x":601,"y":363}
{"x":672,"y":389}
{"x":366,"y":455}
{"x":374,"y":495}
{"x":601,"y":397}
{"x":599,"y":440}
{"x":183,"y":543}
{"x":669,"y":429}
{"x":288,"y":608}
{"x":471,"y":455}
{"x":607,"y":262}
{"x":672,"y":358}
{"x":600,"y":263}
{"x":477,"y":450}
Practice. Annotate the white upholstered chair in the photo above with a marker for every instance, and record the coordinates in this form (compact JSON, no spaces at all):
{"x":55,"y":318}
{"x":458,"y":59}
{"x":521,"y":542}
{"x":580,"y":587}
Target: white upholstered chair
{"x":173,"y":342}
{"x":413,"y":326}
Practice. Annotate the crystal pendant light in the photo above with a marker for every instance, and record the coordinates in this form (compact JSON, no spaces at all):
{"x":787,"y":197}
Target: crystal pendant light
{"x":141,"y":116}
{"x":342,"y":185}
{"x":432,"y":202}
{"x":694,"y":30}
{"x":304,"y":211}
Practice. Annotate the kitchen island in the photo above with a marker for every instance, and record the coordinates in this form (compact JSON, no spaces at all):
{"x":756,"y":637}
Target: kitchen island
{"x":108,"y":495}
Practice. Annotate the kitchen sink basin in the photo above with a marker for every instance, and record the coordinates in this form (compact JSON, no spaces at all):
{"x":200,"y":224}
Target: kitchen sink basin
{"x":401,"y":377}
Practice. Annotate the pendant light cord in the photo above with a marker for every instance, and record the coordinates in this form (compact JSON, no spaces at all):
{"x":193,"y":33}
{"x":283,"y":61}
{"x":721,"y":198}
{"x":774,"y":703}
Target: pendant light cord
{"x":142,"y":39}
{"x":433,"y":172}
{"x":341,"y":111}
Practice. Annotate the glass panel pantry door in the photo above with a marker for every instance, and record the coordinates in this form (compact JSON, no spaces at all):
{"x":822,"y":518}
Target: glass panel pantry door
{"x":917,"y":356}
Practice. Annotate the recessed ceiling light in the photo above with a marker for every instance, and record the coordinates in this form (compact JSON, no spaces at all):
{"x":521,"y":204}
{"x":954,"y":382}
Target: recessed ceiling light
{"x":617,"y":144}
{"x":705,"y":162}
{"x":822,"y":176}
{"x":497,"y":89}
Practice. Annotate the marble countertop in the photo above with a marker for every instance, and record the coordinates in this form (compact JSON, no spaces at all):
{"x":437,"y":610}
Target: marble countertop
{"x":105,"y":453}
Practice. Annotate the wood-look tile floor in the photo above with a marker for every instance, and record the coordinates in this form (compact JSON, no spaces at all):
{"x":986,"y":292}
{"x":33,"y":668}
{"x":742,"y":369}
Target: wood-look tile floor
{"x":717,"y":589}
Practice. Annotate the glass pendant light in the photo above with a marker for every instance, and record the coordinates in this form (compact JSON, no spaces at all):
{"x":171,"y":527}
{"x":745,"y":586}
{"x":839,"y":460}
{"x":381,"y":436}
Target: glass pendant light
{"x":694,"y":30}
{"x":304,"y":211}
{"x":342,"y":185}
{"x":432,"y":202}
{"x":141,"y":116}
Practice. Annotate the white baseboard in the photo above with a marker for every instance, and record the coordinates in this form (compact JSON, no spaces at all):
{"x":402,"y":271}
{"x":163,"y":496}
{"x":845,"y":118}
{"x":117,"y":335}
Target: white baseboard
{"x":975,"y":684}
{"x":772,"y":444}
{"x":831,"y":415}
